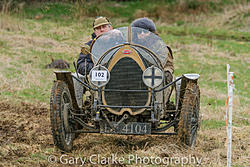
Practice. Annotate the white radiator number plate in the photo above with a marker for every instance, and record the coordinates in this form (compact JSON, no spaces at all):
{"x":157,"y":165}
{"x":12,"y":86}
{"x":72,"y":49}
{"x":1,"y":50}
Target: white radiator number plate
{"x":99,"y":75}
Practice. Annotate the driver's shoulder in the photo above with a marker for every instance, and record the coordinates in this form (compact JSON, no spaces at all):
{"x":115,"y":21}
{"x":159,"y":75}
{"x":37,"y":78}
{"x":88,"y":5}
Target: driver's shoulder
{"x":89,"y":42}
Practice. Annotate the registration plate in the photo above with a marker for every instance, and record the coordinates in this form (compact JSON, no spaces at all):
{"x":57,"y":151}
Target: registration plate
{"x":130,"y":128}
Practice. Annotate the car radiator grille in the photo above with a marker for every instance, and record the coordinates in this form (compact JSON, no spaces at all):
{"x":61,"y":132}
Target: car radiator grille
{"x":126,"y":75}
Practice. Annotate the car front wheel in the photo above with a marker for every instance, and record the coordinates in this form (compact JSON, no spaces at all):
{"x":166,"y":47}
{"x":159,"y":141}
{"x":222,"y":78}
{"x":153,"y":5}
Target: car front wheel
{"x":61,"y":127}
{"x":189,"y":116}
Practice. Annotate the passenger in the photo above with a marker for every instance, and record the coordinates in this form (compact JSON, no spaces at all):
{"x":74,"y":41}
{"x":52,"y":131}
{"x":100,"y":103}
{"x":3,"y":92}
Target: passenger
{"x":114,"y":37}
{"x":148,"y":24}
{"x":100,"y":26}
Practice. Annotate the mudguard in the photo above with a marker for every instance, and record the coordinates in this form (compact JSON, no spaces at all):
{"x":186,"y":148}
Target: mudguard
{"x":181,"y":87}
{"x":67,"y":78}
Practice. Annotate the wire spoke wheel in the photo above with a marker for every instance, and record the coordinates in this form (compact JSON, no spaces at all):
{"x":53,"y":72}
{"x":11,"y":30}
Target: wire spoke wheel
{"x":195,"y":120}
{"x":60,"y":106}
{"x":65,"y":107}
{"x":189,"y":117}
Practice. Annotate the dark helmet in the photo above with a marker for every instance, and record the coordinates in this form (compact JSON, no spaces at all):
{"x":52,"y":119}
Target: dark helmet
{"x":144,"y":23}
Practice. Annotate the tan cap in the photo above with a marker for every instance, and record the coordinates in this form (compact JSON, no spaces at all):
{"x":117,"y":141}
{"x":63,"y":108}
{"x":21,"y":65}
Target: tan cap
{"x":100,"y":21}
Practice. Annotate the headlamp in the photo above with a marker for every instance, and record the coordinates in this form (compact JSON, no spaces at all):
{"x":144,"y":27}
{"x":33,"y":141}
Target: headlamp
{"x":99,"y":76}
{"x":152,"y":77}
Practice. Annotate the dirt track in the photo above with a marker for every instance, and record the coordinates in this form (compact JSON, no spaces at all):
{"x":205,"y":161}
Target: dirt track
{"x":24,"y":128}
{"x":25,"y":140}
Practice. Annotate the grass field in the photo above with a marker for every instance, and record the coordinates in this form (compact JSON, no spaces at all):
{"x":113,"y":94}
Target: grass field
{"x":203,"y":36}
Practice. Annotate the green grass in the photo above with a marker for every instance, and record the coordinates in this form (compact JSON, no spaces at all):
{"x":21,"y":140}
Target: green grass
{"x":237,"y":165}
{"x":59,"y":11}
{"x":51,"y":11}
{"x":31,"y":93}
{"x":22,"y":160}
{"x":233,"y":46}
{"x":125,"y":8}
{"x":212,"y":124}
{"x":12,"y":72}
{"x":245,"y":122}
{"x":3,"y":44}
{"x":213,"y":101}
{"x":38,"y":156}
{"x":231,"y":49}
{"x":7,"y":94}
{"x":199,"y":31}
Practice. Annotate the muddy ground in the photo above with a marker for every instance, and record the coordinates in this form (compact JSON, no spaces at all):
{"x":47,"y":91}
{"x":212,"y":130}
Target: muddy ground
{"x":26,"y":140}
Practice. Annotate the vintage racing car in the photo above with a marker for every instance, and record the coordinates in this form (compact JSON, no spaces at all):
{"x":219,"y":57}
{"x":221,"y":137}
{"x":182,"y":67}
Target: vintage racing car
{"x":125,"y":93}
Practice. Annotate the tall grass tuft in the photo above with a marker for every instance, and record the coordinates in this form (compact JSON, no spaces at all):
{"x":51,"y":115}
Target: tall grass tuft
{"x":10,"y":6}
{"x":7,"y":9}
{"x":9,"y":23}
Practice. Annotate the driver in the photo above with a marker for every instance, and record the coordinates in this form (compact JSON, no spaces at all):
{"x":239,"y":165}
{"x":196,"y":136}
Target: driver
{"x":100,"y":25}
{"x":148,"y":24}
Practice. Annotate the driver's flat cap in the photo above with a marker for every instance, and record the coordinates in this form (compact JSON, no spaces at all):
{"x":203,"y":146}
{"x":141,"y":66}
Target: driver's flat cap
{"x":144,"y":23}
{"x":99,"y":21}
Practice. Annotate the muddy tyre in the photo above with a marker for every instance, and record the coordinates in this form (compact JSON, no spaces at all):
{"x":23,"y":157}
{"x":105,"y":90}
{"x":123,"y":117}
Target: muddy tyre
{"x":189,"y":116}
{"x":61,"y":127}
